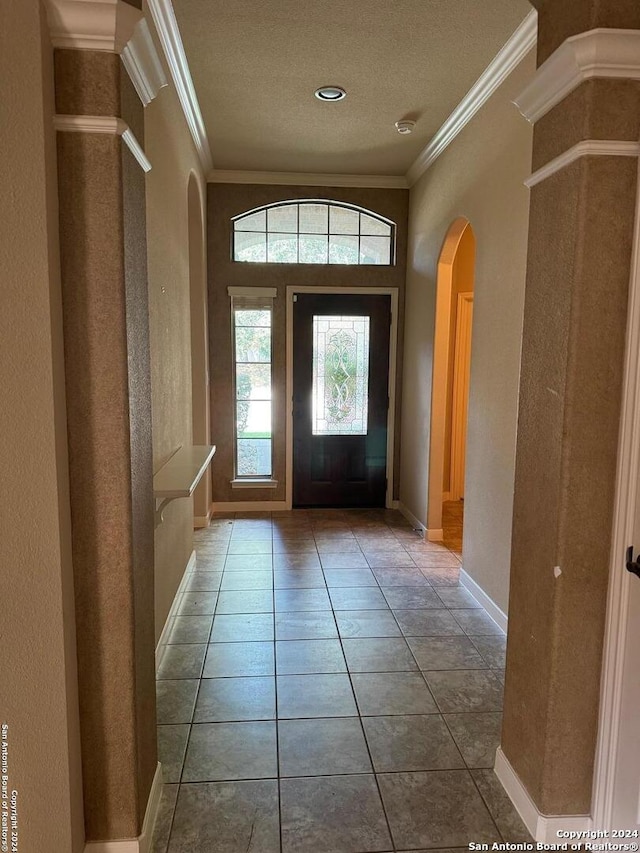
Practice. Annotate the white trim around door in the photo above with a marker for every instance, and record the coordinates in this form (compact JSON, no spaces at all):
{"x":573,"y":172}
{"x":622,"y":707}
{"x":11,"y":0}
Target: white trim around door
{"x":393,"y":355}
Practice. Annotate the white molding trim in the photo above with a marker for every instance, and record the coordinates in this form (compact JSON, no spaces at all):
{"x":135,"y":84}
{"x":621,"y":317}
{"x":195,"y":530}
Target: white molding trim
{"x":411,"y":518}
{"x":511,"y":54}
{"x":253,"y":292}
{"x":542,"y":827}
{"x":141,"y":844}
{"x":249,"y":506}
{"x":625,"y":508}
{"x":307,"y":179}
{"x":142,"y":63}
{"x":91,"y":24}
{"x":496,"y":613}
{"x":162,"y":641}
{"x":167,"y":28}
{"x":201,"y":521}
{"x":103,"y":124}
{"x":586,"y":148}
{"x":256,"y":483}
{"x":292,"y":290}
{"x":597,"y":53}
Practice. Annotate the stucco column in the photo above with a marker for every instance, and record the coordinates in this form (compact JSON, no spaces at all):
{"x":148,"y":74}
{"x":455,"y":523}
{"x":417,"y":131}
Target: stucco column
{"x":580,"y":243}
{"x":101,"y":167}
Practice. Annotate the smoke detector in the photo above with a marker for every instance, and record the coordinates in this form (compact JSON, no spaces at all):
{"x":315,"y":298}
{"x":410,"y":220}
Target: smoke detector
{"x":405,"y":126}
{"x":330,"y":93}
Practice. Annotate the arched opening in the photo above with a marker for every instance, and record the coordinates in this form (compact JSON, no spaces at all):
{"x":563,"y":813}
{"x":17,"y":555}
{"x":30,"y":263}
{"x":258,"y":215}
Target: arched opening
{"x":450,"y":388}
{"x":199,"y":343}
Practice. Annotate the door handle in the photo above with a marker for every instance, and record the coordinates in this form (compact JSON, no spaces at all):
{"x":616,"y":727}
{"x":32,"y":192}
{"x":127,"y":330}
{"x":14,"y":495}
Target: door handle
{"x":633,"y":566}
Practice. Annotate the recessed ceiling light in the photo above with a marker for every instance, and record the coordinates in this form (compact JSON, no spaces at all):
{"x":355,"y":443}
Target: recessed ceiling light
{"x":405,"y":126}
{"x":330,"y":93}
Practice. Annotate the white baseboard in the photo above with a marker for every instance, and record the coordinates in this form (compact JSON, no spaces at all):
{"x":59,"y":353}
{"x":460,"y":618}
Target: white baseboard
{"x":162,"y":642}
{"x":542,"y":827}
{"x":200,"y":521}
{"x":435,"y":534}
{"x":249,"y":506}
{"x":141,"y":844}
{"x":417,"y":525}
{"x":394,"y":505}
{"x":498,"y":615}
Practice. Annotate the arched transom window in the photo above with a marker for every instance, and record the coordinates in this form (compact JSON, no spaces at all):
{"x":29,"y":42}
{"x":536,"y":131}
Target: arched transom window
{"x":313,"y":232}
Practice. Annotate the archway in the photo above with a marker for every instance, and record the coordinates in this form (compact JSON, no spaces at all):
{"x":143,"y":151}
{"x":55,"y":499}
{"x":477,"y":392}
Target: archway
{"x":199,"y":343}
{"x":451,"y":355}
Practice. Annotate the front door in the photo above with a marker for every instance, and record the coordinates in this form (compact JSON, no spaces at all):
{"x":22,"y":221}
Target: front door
{"x":340,"y":399}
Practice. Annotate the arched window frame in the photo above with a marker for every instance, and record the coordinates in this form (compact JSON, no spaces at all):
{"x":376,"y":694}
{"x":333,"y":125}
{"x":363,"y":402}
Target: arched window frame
{"x":346,"y":236}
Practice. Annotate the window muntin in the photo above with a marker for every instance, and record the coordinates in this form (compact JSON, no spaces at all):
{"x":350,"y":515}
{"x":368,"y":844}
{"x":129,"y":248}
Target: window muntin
{"x":252,"y":338}
{"x":313,"y":232}
{"x":340,"y":395}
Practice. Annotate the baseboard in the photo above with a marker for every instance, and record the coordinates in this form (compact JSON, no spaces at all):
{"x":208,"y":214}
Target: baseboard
{"x":141,"y":844}
{"x":200,"y":521}
{"x":498,"y":616}
{"x":435,"y":534}
{"x":162,"y":642}
{"x":542,"y":827}
{"x":249,"y":506}
{"x":417,"y":525}
{"x":394,"y":505}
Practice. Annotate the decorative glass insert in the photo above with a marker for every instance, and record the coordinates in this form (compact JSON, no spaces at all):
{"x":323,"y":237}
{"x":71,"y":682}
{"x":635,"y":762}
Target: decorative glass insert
{"x":252,"y":347}
{"x":340,"y":375}
{"x":313,"y":232}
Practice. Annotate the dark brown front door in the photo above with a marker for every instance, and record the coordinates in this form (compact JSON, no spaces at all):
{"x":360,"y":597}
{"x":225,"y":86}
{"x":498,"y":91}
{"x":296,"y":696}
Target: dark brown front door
{"x":340,"y":399}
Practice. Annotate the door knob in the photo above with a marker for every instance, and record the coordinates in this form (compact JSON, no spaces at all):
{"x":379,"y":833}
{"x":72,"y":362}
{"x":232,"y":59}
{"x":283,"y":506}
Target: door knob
{"x":633,"y":566}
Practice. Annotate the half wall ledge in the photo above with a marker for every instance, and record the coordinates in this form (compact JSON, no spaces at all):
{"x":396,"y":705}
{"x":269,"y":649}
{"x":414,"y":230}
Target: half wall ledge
{"x":180,"y":475}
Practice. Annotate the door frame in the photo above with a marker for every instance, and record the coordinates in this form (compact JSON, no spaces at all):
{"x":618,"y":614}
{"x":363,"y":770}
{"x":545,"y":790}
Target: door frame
{"x":461,"y":386}
{"x":393,"y":351}
{"x":625,"y":509}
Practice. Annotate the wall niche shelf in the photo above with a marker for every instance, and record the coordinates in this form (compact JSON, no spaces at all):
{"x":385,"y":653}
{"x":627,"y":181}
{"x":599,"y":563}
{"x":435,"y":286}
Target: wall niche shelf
{"x":179,"y":476}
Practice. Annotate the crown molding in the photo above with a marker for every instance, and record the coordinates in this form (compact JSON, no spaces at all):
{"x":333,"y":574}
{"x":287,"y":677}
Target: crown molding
{"x":513,"y":52}
{"x":111,"y":125}
{"x":586,"y":148}
{"x":166,"y":26}
{"x":597,"y":53}
{"x":306,"y":179}
{"x":91,"y":24}
{"x":141,"y":60}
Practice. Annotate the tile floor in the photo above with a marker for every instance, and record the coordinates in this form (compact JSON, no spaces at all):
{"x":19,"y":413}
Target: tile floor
{"x":328,"y":687}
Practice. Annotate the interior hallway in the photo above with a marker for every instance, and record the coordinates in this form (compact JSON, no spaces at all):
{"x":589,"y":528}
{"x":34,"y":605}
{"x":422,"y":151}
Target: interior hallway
{"x":363,"y":716}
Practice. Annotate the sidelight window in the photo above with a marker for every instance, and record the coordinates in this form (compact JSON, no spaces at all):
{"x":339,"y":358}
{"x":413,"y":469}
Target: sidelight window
{"x":252,"y":312}
{"x":313,"y":232}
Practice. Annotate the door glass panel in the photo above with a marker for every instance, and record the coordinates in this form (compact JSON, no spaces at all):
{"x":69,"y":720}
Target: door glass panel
{"x":340,"y":375}
{"x":254,"y":457}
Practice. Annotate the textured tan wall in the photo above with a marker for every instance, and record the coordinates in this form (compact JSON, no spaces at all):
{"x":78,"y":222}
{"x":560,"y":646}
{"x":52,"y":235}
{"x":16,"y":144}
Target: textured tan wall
{"x":226,"y":201}
{"x":103,"y":263}
{"x":170,"y":149}
{"x":576,"y":302}
{"x":480,"y":176}
{"x":37,"y":637}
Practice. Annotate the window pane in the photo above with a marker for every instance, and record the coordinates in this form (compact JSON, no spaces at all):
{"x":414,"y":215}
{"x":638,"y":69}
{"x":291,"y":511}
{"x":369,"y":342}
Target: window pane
{"x":253,"y":419}
{"x":370,"y":225}
{"x":254,"y":457}
{"x":343,"y":221}
{"x":249,"y":246}
{"x":253,"y":317}
{"x":314,"y":218}
{"x":313,"y":250}
{"x":283,"y":218}
{"x":253,"y":344}
{"x":253,"y":382}
{"x":343,"y":250}
{"x":282,"y":249}
{"x":340,"y":375}
{"x":252,"y":222}
{"x":375,"y":250}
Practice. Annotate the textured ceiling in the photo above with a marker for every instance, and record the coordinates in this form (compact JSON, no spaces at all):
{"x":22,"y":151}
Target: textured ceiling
{"x":256,"y":64}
